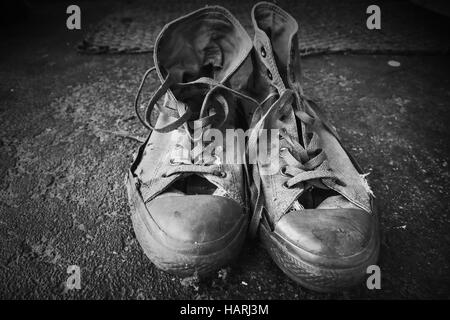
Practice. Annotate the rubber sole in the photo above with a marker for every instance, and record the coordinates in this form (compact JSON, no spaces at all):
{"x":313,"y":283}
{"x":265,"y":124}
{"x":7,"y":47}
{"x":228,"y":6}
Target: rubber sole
{"x":317,"y":277}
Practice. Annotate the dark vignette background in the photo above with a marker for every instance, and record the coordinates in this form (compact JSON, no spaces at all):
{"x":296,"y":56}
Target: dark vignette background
{"x":62,"y":197}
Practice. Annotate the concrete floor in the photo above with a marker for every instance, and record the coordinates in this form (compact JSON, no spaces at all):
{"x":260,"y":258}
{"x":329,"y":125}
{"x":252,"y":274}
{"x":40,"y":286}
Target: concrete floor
{"x":63,"y":201}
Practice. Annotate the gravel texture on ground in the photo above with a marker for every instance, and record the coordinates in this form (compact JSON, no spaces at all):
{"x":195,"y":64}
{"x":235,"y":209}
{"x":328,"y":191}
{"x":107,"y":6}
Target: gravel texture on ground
{"x":62,"y":193}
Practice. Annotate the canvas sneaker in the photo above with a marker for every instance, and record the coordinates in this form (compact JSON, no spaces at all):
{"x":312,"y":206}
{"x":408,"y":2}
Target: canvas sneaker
{"x":190,"y":209}
{"x":315,"y":216}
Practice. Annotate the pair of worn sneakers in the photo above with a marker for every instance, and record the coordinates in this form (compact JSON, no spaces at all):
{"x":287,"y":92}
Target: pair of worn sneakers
{"x":192,"y":209}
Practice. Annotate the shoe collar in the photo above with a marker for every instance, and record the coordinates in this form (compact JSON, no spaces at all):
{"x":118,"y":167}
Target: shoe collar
{"x":212,"y":33}
{"x":276,"y":36}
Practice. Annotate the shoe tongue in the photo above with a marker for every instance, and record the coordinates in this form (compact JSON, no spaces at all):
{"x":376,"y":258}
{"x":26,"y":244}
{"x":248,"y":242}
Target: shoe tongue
{"x":194,"y":95}
{"x":213,"y":60}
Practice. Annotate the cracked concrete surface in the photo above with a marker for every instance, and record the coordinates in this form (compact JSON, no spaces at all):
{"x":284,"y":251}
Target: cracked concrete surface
{"x":63,"y":201}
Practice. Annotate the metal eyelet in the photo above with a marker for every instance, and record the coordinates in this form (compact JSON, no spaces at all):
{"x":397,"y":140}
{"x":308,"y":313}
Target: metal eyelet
{"x":221,"y":174}
{"x":285,"y":185}
{"x":283,"y":171}
{"x":282,"y":130}
{"x":263,"y":52}
{"x":164,"y":175}
{"x":269,"y":74}
{"x":172,"y":162}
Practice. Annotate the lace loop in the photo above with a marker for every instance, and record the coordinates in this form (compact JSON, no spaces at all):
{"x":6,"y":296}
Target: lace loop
{"x":214,"y":111}
{"x":184,"y":112}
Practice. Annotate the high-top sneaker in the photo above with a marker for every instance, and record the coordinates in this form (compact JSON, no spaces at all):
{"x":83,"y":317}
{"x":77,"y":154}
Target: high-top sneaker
{"x":315,"y":216}
{"x":189,"y":207}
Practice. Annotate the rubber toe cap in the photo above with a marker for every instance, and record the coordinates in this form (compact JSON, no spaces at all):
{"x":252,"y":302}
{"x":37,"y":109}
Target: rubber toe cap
{"x":196,"y":219}
{"x":328,"y":235}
